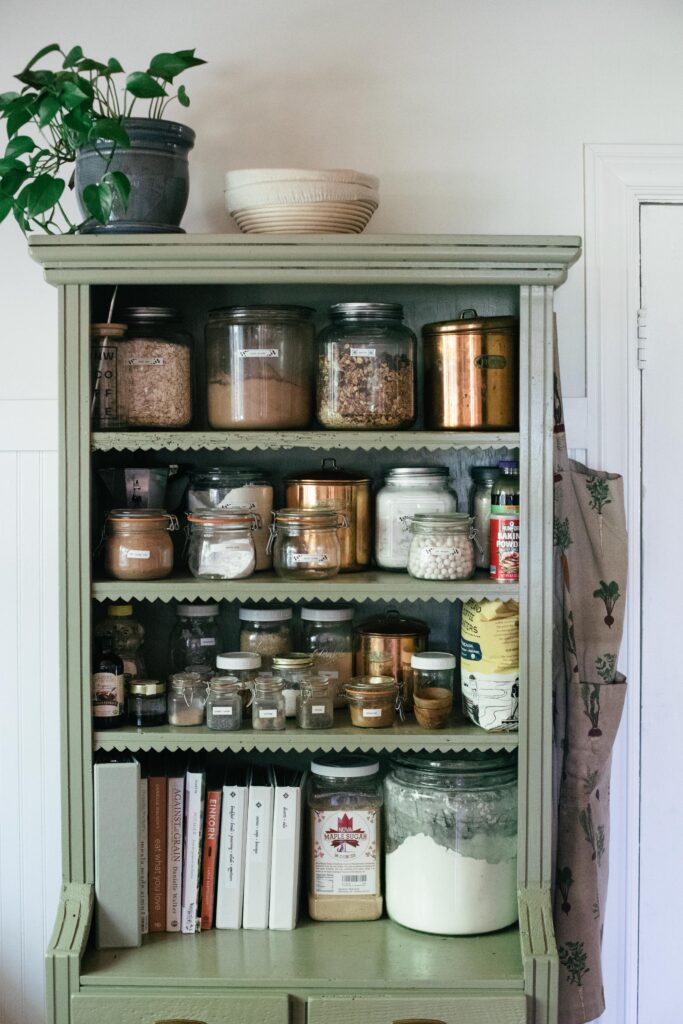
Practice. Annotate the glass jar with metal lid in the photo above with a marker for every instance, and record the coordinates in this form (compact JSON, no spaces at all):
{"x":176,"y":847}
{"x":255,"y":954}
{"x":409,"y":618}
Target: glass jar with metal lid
{"x":442,"y":546}
{"x":221,"y":543}
{"x":127,"y":635}
{"x":106,"y":350}
{"x":259,"y":362}
{"x":366,"y":368}
{"x":231,"y":487}
{"x":265,"y":631}
{"x":268,"y":704}
{"x":293,"y":669}
{"x":305,"y":542}
{"x":471,"y":373}
{"x":373,"y":701}
{"x":407,"y":490}
{"x":157,"y":368}
{"x":451,"y":842}
{"x":137,"y":545}
{"x":186,"y":699}
{"x":327,"y":635}
{"x":146,"y":703}
{"x":315,"y":704}
{"x":196,"y":637}
{"x":224,"y":704}
{"x":385,"y":645}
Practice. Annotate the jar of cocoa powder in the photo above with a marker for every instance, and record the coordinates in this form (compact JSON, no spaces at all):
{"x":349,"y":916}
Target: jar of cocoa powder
{"x":137,"y":543}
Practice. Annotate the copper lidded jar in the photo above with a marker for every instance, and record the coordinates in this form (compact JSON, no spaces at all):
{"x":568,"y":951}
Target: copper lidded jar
{"x":385,"y":646}
{"x":471,"y":373}
{"x":349,"y":493}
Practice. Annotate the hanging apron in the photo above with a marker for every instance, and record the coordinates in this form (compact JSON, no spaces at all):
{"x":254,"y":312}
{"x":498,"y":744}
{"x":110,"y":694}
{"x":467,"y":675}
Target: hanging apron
{"x":590,"y":559}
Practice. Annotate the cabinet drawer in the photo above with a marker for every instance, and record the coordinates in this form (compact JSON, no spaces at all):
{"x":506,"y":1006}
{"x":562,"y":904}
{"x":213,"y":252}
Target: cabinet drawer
{"x":148,"y":1006}
{"x":464,"y":1009}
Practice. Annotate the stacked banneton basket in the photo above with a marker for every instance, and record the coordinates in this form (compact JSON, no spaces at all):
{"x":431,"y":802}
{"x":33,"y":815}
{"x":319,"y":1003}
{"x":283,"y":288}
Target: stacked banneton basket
{"x":281,"y":200}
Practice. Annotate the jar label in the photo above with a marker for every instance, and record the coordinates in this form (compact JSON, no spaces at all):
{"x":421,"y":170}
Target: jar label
{"x":228,"y":559}
{"x":440,"y":552}
{"x":221,"y":711}
{"x":372,"y":712}
{"x":107,"y":694}
{"x":146,"y":361}
{"x":308,"y":558}
{"x":259,"y":353}
{"x":368,"y":353}
{"x":345,"y":852}
{"x":317,"y":709}
{"x":268,"y":713}
{"x":136,"y":553}
{"x":207,"y":641}
{"x":105,"y":382}
{"x":504,"y":540}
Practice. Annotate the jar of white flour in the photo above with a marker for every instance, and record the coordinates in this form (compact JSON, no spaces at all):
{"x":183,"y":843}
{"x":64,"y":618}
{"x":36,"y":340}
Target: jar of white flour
{"x":451,"y":842}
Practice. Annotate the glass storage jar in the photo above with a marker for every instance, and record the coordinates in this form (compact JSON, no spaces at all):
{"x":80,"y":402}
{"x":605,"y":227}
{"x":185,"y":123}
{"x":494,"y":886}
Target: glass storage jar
{"x":504,"y":534}
{"x":186,"y":699}
{"x":407,"y":490}
{"x":366,"y":368}
{"x":221,"y":544}
{"x":451,"y":843}
{"x":259,"y":367}
{"x":483,"y":478}
{"x":146,"y":703}
{"x":373,"y":701}
{"x":127,"y":635}
{"x":157,"y":368}
{"x":233,"y":487}
{"x":345,"y":839}
{"x":293,"y":668}
{"x":224,"y":704}
{"x":266,"y":631}
{"x":385,"y":644}
{"x":106,"y":351}
{"x":137,"y":545}
{"x":268,"y":704}
{"x":315,"y":703}
{"x":432,"y":673}
{"x":442,"y":546}
{"x":196,"y":636}
{"x":327,"y":634}
{"x":243,"y":666}
{"x":305,"y":542}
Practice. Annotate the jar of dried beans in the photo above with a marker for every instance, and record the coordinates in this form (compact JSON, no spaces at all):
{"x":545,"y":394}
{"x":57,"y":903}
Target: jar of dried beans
{"x":137,"y":545}
{"x":156,"y":377}
{"x":366,"y":368}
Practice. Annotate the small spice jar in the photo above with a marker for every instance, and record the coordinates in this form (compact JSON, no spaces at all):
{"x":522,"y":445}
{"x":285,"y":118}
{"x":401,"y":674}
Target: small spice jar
{"x":483,"y":478}
{"x":265,"y":631}
{"x":293,"y":669}
{"x":106,"y":345}
{"x":221,"y":543}
{"x":224,"y":704}
{"x":372,"y":701}
{"x":305,"y":543}
{"x":186,"y":699}
{"x":242,"y":666}
{"x":137,"y":543}
{"x":268,"y":705}
{"x":433,"y":673}
{"x":146,"y":703}
{"x":327,"y":634}
{"x":157,"y":368}
{"x":196,"y":636}
{"x":442,"y":546}
{"x":315,"y":704}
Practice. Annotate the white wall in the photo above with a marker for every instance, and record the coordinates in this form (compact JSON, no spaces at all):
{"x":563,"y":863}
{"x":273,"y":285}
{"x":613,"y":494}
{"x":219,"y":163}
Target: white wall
{"x":472,"y":114}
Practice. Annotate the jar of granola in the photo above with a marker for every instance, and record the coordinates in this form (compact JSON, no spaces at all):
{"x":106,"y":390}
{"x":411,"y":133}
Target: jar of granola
{"x":156,"y":377}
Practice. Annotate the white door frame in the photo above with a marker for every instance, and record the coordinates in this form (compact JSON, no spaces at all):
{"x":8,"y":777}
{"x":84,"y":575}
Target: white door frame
{"x":618,"y":180}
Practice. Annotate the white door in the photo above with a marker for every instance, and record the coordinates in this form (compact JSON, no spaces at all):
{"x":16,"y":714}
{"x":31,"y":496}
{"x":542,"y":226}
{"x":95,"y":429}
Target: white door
{"x":661,"y":845}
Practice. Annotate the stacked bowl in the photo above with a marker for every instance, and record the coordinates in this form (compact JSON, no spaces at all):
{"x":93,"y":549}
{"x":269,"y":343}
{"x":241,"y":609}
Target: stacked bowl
{"x":282,"y":200}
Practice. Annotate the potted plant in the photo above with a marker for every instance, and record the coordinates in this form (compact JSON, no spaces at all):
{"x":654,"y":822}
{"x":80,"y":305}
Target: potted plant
{"x":130,"y":173}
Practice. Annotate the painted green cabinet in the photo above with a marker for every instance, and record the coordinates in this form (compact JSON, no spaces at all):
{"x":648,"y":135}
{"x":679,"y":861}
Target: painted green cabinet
{"x":321,"y":973}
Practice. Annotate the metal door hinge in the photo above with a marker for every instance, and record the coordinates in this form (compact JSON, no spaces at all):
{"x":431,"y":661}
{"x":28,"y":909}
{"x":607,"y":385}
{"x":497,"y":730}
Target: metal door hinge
{"x":642,"y":338}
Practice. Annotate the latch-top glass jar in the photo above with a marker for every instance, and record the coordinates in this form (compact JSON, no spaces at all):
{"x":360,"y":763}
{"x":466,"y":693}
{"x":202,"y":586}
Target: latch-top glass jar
{"x":137,"y":545}
{"x":315,"y":707}
{"x":221,"y":543}
{"x":451,"y":843}
{"x":224,"y":704}
{"x":373,"y":701}
{"x":157,"y":368}
{"x":186,"y":699}
{"x":407,"y":490}
{"x":442,"y":546}
{"x":366,"y":368}
{"x":305,"y":542}
{"x":268,"y":704}
{"x":293,"y":669}
{"x":234,"y":487}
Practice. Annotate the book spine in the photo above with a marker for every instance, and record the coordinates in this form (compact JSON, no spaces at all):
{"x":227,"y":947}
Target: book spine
{"x":211,"y":834}
{"x":192,"y":852}
{"x":286,"y":863}
{"x":258,"y":857}
{"x":157,"y":853}
{"x":144,"y":858}
{"x":230,"y":894}
{"x":174,"y":852}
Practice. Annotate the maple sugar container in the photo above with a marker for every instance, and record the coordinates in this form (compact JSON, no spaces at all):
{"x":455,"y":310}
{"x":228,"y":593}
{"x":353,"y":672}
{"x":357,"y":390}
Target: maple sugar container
{"x":344,"y":839}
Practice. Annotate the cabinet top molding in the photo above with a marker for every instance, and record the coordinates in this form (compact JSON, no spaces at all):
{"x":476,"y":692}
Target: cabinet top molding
{"x":352,"y":259}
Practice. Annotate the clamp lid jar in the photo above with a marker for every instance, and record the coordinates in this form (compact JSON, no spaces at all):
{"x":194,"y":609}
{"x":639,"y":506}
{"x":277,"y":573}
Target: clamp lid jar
{"x":137,"y":543}
{"x":293,"y":668}
{"x":305,"y":542}
{"x":186,"y":699}
{"x":221,"y":543}
{"x":373,"y":701}
{"x":224,"y":704}
{"x":442,"y":546}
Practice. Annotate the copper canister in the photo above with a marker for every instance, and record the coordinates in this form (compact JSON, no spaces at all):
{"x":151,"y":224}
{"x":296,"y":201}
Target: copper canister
{"x":471,"y":373}
{"x":349,"y":493}
{"x":385,"y":645}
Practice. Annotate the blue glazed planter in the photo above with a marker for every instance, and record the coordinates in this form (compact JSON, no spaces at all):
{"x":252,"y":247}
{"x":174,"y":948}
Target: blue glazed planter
{"x":156,"y":165}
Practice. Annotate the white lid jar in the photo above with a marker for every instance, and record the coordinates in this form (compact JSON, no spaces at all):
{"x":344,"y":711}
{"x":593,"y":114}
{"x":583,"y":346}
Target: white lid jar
{"x":407,"y":490}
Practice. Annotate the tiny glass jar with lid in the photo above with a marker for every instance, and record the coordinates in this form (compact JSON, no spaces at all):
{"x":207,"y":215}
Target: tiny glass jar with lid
{"x":230,"y":487}
{"x":433,"y":673}
{"x":137,"y":545}
{"x":293,"y":669}
{"x":327,"y":634}
{"x":451,"y":842}
{"x":196,"y":636}
{"x":441,"y":546}
{"x":186,"y":699}
{"x":407,"y":490}
{"x":224,"y":704}
{"x":345,"y":846}
{"x":127,"y":636}
{"x":366,"y":368}
{"x":373,"y":701}
{"x":157,"y":368}
{"x":242,"y":666}
{"x":258,"y":367}
{"x":221,"y":544}
{"x":305,"y":542}
{"x":268,"y":704}
{"x":106,"y":347}
{"x":483,"y":479}
{"x":265,"y":631}
{"x":315,"y":703}
{"x":146,"y":703}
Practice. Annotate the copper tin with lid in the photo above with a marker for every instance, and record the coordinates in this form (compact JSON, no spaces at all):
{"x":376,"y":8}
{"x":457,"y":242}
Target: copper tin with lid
{"x":385,"y":646}
{"x":347,"y":491}
{"x":472,"y":373}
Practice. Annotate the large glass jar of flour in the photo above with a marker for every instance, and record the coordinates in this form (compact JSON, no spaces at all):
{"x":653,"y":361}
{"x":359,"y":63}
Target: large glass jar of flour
{"x":232,"y":487}
{"x":407,"y":490}
{"x":451,"y":842}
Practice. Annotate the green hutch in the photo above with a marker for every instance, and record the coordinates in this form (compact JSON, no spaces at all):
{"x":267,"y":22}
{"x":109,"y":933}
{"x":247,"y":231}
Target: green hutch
{"x":320,"y":973}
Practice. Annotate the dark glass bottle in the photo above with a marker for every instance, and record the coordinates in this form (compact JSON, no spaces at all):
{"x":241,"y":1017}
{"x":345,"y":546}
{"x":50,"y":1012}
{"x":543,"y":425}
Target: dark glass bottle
{"x":108,"y":689}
